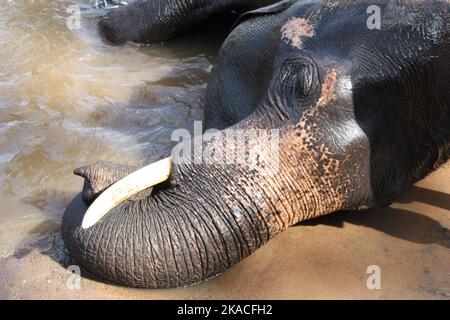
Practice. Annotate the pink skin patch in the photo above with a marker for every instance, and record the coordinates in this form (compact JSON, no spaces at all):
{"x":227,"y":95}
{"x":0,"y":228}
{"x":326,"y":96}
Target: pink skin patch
{"x":295,"y":29}
{"x":328,"y":93}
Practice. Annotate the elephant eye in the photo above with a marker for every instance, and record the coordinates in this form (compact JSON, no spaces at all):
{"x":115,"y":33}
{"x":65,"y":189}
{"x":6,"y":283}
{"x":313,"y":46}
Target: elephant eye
{"x":297,"y":79}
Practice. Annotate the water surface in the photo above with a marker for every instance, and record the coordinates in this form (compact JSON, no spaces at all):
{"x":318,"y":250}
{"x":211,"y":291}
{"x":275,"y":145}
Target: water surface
{"x":67,"y":99}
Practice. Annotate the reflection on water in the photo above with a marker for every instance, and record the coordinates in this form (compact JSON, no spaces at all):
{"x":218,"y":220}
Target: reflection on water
{"x":67,"y":99}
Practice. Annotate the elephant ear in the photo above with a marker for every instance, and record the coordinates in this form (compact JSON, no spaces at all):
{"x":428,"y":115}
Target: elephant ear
{"x":268,"y":10}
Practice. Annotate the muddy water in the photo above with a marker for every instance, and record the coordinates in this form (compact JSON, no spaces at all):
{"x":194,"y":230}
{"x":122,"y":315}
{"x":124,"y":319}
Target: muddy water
{"x":67,"y":99}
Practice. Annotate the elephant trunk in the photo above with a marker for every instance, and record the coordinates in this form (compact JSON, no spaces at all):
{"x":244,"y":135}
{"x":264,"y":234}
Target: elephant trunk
{"x":166,"y":241}
{"x":183,"y":233}
{"x":212,"y":214}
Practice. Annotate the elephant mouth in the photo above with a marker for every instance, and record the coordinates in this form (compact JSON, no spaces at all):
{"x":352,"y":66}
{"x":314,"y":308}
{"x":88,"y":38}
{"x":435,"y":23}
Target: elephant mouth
{"x":127,"y":187}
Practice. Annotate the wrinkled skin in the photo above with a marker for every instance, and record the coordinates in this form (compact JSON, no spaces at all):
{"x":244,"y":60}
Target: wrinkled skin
{"x":362,"y":113}
{"x":153,"y":21}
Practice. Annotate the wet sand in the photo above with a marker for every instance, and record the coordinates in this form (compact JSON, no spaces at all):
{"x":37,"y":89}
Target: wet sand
{"x":324,"y":258}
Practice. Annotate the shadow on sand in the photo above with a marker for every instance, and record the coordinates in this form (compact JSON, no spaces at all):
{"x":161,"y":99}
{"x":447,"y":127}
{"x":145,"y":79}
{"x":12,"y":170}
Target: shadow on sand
{"x":400,"y":223}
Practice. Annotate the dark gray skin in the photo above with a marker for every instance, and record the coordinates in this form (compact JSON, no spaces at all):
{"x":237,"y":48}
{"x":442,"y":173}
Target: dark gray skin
{"x":362,"y":114}
{"x":155,"y":21}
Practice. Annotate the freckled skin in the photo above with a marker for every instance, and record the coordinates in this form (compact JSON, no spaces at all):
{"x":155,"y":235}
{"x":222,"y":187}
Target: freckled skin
{"x":328,"y":93}
{"x":361,"y":114}
{"x":295,"y":29}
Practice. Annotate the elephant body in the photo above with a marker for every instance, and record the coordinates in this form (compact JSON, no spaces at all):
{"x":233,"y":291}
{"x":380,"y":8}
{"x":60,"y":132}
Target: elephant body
{"x":361,"y":113}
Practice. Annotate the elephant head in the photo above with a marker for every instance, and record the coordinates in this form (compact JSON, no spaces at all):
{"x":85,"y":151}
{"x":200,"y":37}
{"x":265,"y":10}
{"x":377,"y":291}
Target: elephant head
{"x":359,"y":113}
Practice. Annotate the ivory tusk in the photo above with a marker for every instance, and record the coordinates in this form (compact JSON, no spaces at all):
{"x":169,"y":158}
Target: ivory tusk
{"x":127,"y":187}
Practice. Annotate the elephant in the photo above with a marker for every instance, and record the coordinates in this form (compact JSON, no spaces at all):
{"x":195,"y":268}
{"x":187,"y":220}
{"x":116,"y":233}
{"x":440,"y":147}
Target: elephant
{"x":361,"y":110}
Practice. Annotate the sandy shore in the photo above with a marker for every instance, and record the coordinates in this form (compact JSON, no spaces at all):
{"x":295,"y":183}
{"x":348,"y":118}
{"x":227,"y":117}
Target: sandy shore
{"x":324,"y":258}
